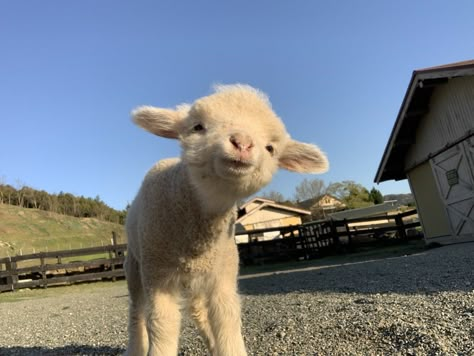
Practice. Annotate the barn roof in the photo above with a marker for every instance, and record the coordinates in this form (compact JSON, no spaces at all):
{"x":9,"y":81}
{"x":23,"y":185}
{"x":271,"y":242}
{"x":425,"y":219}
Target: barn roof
{"x":266,"y":203}
{"x":414,"y":106}
{"x":309,"y":203}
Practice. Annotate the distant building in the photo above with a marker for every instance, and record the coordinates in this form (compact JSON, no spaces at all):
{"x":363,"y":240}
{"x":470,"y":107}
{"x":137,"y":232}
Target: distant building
{"x":432,"y":144}
{"x":321,"y":206}
{"x":385,"y":208}
{"x":259,"y":213}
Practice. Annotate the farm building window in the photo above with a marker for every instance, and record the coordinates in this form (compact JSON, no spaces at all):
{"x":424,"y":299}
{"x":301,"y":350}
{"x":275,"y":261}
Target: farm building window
{"x":452,"y":177}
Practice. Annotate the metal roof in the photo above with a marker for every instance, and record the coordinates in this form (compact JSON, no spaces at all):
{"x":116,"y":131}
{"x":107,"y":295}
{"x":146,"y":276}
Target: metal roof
{"x":414,"y":106}
{"x":378,"y":209}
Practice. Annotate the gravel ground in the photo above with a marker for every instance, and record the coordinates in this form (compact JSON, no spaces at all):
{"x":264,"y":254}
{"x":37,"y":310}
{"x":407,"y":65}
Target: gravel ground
{"x":421,"y":304}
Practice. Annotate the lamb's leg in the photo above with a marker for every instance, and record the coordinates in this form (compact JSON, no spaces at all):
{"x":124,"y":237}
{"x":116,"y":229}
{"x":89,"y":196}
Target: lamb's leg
{"x":224,"y":315}
{"x":200,"y":314}
{"x":163,"y":323}
{"x":137,"y":335}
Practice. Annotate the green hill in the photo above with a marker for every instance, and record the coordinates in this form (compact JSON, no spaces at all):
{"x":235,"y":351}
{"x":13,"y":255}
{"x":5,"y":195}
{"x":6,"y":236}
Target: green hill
{"x":25,"y":231}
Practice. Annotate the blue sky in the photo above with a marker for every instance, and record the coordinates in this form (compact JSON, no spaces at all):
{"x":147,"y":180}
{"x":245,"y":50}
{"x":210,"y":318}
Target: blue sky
{"x":336,"y":73}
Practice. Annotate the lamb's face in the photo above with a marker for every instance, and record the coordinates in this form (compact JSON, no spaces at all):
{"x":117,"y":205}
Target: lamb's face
{"x":234,"y":138}
{"x":232,"y":141}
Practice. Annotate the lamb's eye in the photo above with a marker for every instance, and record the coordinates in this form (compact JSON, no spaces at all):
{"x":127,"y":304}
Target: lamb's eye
{"x":270,"y":148}
{"x":198,"y":127}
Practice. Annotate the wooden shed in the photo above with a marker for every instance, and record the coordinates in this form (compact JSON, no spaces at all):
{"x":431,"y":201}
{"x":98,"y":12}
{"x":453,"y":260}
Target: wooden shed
{"x":322,"y":205}
{"x":432,"y":144}
{"x":259,"y":213}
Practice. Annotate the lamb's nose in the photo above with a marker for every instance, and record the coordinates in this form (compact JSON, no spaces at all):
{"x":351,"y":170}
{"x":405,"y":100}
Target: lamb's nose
{"x":241,"y":142}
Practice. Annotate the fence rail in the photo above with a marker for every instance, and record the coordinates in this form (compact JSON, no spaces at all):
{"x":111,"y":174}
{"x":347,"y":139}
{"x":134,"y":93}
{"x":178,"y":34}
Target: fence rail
{"x":318,"y":238}
{"x":298,"y":242}
{"x":45,"y":269}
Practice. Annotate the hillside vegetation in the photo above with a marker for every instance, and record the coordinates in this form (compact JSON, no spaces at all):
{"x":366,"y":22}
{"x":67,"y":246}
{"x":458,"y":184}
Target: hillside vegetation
{"x":62,"y":203}
{"x":25,"y":231}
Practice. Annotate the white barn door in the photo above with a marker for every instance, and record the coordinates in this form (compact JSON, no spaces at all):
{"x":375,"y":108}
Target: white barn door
{"x":454,"y":175}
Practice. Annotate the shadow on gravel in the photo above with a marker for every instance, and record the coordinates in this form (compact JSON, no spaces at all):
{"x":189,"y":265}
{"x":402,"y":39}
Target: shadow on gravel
{"x":447,"y":268}
{"x":60,"y":351}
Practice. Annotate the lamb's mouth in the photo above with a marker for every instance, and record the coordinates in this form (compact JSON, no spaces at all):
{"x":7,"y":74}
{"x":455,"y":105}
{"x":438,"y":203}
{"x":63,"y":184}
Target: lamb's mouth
{"x":237,"y":167}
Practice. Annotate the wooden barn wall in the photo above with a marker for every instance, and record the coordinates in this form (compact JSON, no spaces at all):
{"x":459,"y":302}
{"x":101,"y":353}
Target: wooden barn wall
{"x":429,"y":204}
{"x":285,"y":221}
{"x":450,"y":117}
{"x":267,"y":214}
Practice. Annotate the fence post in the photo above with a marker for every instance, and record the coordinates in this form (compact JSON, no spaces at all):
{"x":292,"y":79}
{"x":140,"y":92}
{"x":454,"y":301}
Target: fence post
{"x":114,"y":238}
{"x":114,"y":253}
{"x":12,"y":279}
{"x":334,"y":234}
{"x":44,"y":281}
{"x":349,"y":236}
{"x":400,"y":227}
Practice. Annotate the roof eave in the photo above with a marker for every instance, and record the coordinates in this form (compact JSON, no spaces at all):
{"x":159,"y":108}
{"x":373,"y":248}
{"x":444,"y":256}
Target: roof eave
{"x":418,"y":76}
{"x":396,"y":128}
{"x":275,"y":206}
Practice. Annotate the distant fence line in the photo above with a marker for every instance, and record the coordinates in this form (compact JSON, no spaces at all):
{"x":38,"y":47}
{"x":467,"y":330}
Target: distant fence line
{"x":11,"y":250}
{"x":319,"y":238}
{"x":297,"y":242}
{"x":45,"y":269}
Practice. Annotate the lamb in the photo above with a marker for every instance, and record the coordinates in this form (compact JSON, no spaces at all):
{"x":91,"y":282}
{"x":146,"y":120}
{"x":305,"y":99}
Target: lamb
{"x":181,"y":248}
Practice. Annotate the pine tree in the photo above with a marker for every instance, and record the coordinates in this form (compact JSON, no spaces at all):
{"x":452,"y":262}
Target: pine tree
{"x":376,"y":196}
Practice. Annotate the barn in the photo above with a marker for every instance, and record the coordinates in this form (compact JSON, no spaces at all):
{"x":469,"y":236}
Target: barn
{"x":322,"y":206}
{"x":260,"y":213}
{"x":432,"y":145}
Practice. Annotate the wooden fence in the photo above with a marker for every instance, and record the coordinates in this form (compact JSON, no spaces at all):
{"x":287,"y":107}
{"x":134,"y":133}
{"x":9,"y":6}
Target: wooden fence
{"x":45,"y":269}
{"x":315,"y":239}
{"x":298,"y":242}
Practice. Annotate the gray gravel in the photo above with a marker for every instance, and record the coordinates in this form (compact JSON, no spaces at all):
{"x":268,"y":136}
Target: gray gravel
{"x":419,"y":304}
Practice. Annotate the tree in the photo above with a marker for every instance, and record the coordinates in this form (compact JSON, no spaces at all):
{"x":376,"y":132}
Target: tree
{"x":2,"y":184}
{"x":9,"y":194}
{"x":273,"y":195}
{"x":29,"y":195}
{"x":308,"y":189}
{"x":20,"y":193}
{"x":376,"y":196}
{"x":43,"y":200}
{"x":353,"y":194}
{"x":63,"y":203}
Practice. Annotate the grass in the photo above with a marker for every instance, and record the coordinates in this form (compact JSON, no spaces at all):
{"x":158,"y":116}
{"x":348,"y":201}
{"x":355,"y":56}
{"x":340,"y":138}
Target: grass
{"x":39,"y":293}
{"x":25,"y":231}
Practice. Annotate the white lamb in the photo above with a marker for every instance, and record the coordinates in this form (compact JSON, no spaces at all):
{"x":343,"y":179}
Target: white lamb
{"x":181,"y":248}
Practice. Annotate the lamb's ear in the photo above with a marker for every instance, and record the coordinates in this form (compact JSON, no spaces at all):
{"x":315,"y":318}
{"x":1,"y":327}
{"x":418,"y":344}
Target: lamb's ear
{"x":161,"y":122}
{"x":303,"y":158}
